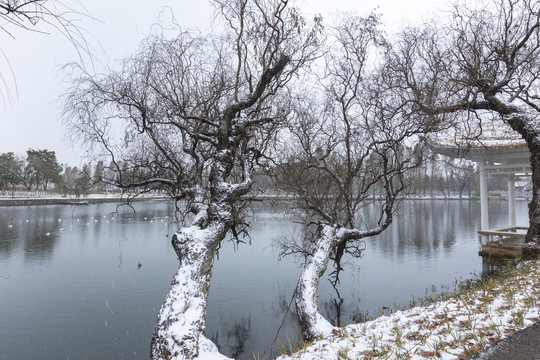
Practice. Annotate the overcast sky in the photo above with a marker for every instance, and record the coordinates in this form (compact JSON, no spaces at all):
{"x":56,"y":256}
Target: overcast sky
{"x":31,"y":118}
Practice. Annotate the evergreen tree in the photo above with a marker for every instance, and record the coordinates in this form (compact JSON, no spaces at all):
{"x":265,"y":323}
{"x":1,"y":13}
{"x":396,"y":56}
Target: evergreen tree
{"x":11,"y":170}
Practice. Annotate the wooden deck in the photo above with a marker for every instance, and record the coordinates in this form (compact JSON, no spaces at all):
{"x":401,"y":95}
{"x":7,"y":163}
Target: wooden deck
{"x":505,"y":242}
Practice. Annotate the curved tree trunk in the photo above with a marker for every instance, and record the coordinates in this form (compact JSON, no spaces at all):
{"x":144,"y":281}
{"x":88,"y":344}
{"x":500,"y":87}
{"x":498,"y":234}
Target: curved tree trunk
{"x":530,"y":131}
{"x":531,"y":248}
{"x":180,"y":329}
{"x":312,"y":323}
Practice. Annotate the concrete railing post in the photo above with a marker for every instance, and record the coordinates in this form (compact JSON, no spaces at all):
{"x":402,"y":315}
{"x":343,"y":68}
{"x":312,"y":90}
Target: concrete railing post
{"x":512,"y":200}
{"x":484,"y":212}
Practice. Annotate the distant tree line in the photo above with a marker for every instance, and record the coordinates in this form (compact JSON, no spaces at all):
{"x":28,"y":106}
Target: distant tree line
{"x":437,"y":176}
{"x":440,"y":175}
{"x":40,"y":170}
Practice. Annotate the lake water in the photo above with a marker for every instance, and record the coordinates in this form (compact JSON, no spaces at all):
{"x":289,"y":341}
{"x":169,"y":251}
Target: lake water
{"x":79,"y":283}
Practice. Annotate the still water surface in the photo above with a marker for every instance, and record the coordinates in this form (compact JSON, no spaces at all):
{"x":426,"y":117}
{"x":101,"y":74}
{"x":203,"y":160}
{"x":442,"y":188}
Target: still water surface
{"x":79,"y":283}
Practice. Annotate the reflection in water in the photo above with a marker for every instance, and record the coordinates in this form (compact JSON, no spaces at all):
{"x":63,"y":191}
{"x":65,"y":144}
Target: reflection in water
{"x":40,"y":237}
{"x":332,"y":309}
{"x":283,"y":307}
{"x":237,"y":333}
{"x":425,"y":228}
{"x":35,"y":230}
{"x":74,"y":288}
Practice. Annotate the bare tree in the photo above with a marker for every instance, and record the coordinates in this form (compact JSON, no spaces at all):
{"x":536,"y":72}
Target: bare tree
{"x":347,"y":151}
{"x":40,"y":16}
{"x":484,"y":62}
{"x":193,"y":116}
{"x":27,"y":14}
{"x":462,"y":175}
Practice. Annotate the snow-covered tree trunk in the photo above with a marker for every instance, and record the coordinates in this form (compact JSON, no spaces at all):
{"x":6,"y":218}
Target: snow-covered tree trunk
{"x":196,"y":129}
{"x":180,"y":330}
{"x":312,"y":323}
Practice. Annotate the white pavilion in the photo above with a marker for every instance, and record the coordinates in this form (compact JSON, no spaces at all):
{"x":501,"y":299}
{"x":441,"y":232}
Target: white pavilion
{"x":499,"y":151}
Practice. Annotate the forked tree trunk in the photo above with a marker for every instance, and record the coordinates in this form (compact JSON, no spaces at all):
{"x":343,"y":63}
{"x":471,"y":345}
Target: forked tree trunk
{"x":312,"y":323}
{"x":180,"y":329}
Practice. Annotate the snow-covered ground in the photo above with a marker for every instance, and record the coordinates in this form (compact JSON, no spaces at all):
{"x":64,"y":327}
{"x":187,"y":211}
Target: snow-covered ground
{"x":457,"y":328}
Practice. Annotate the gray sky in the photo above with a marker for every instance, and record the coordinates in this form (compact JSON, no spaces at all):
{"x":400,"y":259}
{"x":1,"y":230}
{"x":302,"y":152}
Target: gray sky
{"x":31,"y":119}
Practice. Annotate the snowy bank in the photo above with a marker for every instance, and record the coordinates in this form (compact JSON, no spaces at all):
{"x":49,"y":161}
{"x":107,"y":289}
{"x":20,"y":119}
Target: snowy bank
{"x":463,"y":325}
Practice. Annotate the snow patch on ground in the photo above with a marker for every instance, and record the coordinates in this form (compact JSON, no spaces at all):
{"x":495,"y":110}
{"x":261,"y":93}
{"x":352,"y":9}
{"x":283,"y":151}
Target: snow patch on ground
{"x":452,"y":329}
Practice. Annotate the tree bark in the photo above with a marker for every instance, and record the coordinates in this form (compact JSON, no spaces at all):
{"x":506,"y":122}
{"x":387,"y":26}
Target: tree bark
{"x":530,"y":131}
{"x":180,"y":329}
{"x":531,"y":248}
{"x":312,"y":323}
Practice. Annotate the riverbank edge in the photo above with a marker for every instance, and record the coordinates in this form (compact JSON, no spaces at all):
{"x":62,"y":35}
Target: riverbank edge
{"x":57,"y":199}
{"x":73,"y":201}
{"x":494,"y":309}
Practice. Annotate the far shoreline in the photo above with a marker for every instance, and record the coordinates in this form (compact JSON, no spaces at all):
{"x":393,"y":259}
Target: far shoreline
{"x":81,"y":201}
{"x":58,"y":199}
